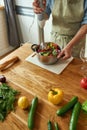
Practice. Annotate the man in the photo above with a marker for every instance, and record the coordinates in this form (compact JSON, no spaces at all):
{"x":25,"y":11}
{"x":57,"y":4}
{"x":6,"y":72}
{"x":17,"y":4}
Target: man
{"x":69,"y":23}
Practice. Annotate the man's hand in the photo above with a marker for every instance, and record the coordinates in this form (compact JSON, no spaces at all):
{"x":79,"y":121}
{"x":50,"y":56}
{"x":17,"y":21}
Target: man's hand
{"x":65,"y":53}
{"x":36,"y":6}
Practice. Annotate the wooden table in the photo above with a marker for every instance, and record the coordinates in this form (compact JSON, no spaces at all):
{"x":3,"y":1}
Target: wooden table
{"x":32,"y":81}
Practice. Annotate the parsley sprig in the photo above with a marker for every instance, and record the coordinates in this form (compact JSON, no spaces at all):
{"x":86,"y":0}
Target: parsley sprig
{"x":7,"y":99}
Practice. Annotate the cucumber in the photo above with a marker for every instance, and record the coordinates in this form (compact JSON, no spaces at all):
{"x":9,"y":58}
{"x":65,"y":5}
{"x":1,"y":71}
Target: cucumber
{"x":67,"y":107}
{"x":32,"y":113}
{"x":75,"y":116}
{"x":49,"y":124}
{"x":56,"y":126}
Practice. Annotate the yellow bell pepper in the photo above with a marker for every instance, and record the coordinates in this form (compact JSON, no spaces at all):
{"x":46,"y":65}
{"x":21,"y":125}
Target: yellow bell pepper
{"x":55,"y":96}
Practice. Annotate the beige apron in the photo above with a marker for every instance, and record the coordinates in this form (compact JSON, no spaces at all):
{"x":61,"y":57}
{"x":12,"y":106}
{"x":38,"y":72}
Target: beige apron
{"x":66,"y":18}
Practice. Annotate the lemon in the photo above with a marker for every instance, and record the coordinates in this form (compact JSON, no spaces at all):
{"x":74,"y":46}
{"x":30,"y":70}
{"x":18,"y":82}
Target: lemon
{"x":23,"y":102}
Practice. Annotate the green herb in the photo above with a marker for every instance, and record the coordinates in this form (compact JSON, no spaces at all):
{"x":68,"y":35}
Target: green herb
{"x":7,"y":99}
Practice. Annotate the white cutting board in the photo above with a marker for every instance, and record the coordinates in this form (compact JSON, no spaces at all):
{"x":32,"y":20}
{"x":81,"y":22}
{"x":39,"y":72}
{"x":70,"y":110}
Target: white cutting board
{"x":57,"y":68}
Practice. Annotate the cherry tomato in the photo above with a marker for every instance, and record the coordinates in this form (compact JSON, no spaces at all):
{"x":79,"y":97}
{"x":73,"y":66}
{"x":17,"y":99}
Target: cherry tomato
{"x":83,"y":83}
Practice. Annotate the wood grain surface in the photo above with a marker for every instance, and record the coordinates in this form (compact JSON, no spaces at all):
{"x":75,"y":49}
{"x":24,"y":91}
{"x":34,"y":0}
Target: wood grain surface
{"x":32,"y":81}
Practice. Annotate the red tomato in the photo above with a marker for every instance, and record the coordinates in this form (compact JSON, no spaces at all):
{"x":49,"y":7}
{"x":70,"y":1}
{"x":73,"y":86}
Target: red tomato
{"x":83,"y":83}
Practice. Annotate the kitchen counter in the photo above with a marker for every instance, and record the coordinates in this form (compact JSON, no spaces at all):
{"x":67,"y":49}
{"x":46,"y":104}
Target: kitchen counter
{"x":32,"y":80}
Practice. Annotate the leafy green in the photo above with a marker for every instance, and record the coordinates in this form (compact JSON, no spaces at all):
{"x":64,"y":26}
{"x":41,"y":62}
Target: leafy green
{"x":7,"y":99}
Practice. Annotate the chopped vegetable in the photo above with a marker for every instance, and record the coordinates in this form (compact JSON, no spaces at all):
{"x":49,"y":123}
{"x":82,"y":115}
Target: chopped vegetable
{"x":55,"y":52}
{"x":52,"y":49}
{"x":7,"y":98}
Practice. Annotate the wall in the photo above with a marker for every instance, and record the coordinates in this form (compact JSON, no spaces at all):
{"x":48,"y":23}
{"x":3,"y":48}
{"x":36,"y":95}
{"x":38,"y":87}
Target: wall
{"x":28,"y":25}
{"x":1,"y":2}
{"x":26,"y":21}
{"x":4,"y":43}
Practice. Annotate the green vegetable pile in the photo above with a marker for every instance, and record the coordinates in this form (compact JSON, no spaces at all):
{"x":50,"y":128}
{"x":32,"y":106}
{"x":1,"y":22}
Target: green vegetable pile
{"x":76,"y":107}
{"x":7,"y":99}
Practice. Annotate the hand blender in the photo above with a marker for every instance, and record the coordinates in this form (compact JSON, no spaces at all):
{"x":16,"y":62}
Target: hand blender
{"x":41,"y":23}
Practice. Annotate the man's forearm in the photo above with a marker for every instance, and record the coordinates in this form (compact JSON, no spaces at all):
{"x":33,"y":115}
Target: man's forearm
{"x":79,"y":35}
